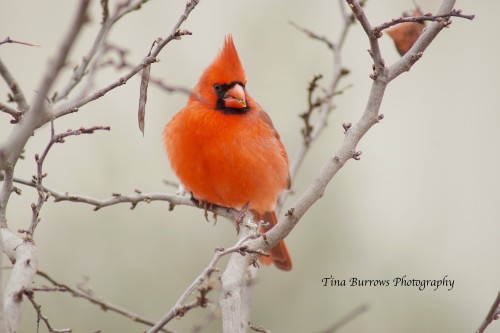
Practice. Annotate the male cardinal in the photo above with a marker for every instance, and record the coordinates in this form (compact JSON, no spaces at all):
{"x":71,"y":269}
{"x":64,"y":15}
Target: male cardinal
{"x":224,"y":149}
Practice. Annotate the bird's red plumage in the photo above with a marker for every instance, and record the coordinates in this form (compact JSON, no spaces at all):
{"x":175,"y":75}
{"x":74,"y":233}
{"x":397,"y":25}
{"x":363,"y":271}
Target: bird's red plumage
{"x":229,"y":159}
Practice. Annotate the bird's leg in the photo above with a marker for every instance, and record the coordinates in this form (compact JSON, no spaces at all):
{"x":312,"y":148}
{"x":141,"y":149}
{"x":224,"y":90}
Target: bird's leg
{"x":241,"y":215}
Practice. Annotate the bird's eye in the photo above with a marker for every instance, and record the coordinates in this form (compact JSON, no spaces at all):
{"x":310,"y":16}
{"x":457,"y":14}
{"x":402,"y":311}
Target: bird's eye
{"x":217,"y":87}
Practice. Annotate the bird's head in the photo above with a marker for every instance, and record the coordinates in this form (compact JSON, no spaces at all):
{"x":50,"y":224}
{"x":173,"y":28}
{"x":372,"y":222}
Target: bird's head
{"x":222,"y":85}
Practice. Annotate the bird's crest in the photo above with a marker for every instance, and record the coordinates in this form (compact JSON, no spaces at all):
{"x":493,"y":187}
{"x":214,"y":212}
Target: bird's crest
{"x":226,"y":68}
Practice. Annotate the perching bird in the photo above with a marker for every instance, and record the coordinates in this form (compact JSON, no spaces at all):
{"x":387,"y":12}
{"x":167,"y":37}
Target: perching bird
{"x":224,"y":149}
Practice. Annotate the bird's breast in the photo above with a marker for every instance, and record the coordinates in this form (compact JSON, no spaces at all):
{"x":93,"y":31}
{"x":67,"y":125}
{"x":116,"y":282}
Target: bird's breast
{"x":229,"y":160}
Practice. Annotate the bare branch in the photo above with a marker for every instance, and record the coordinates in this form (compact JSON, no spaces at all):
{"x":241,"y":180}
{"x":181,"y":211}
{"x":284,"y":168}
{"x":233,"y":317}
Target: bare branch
{"x":123,"y":63}
{"x":89,"y":296}
{"x":122,"y":9}
{"x":422,"y":18}
{"x":17,"y":93}
{"x":493,"y":314}
{"x":346,"y":151}
{"x":7,"y":40}
{"x":347,"y":319}
{"x":325,"y":104}
{"x":13,"y":112}
{"x":148,"y":60}
{"x":38,"y":308}
{"x":37,"y":180}
{"x":372,"y":35}
{"x":132,"y":199}
{"x":38,"y":114}
{"x":24,"y":254}
{"x":313,"y":35}
{"x":232,"y":282}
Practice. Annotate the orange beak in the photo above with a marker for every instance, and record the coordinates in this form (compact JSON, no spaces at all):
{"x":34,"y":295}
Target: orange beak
{"x":235,"y":97}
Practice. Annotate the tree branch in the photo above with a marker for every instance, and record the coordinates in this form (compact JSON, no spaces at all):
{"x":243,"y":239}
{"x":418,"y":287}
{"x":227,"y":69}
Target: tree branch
{"x":133,"y":199}
{"x":39,"y":114}
{"x":37,"y":180}
{"x":355,"y":133}
{"x":346,"y":319}
{"x":422,"y":18}
{"x":176,"y":33}
{"x":232,"y":278}
{"x":493,"y":314}
{"x":38,"y":308}
{"x":8,"y":40}
{"x":89,"y":296}
{"x":122,"y":9}
{"x":325,"y":104}
{"x":24,"y":254}
{"x":13,"y":112}
{"x":17,"y":93}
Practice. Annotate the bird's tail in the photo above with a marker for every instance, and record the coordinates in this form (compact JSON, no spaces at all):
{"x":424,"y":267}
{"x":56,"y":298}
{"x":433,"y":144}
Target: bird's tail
{"x":279,"y":253}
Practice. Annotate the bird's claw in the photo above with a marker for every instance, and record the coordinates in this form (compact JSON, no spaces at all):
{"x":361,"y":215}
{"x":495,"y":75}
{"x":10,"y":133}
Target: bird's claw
{"x":241,"y":215}
{"x":206,"y":206}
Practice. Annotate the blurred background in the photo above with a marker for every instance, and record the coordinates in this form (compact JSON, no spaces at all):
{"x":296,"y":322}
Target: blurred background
{"x":423,"y":201}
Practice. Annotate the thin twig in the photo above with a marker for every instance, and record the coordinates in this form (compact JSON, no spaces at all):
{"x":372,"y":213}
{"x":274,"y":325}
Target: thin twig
{"x":13,"y":112}
{"x":346,"y":319}
{"x":258,"y":328}
{"x":8,"y":40}
{"x":122,"y":9}
{"x":325,"y":103}
{"x":313,"y":35}
{"x":104,"y":305}
{"x":39,"y":113}
{"x":39,"y":316}
{"x":43,"y":196}
{"x":422,"y":18}
{"x":124,"y":63}
{"x":132,"y":199}
{"x":176,"y":33}
{"x":493,"y":314}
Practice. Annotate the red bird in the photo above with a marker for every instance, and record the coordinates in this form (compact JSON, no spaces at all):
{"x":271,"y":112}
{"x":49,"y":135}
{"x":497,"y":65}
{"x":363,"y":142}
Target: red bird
{"x":224,"y":149}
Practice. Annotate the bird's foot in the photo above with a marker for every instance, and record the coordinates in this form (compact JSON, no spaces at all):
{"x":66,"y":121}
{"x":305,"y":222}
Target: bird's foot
{"x":206,"y":206}
{"x":241,"y":215}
